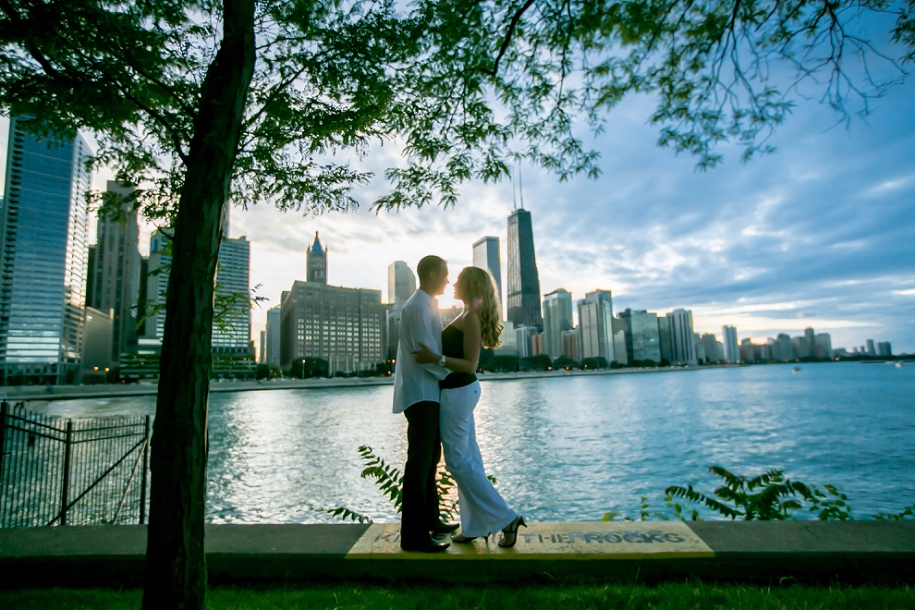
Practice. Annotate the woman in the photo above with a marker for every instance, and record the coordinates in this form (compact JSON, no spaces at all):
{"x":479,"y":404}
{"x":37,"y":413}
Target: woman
{"x":483,"y":511}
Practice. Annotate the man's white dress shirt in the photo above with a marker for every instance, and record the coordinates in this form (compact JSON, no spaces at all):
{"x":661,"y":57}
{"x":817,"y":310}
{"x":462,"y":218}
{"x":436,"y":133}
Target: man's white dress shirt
{"x":419,"y":323}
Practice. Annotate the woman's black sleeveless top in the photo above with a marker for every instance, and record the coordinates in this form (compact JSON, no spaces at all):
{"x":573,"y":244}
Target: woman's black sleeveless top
{"x":453,"y":347}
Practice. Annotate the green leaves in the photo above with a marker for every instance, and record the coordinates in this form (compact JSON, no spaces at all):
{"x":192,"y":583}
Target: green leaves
{"x":389,"y":481}
{"x":766,"y":497}
{"x":468,"y":88}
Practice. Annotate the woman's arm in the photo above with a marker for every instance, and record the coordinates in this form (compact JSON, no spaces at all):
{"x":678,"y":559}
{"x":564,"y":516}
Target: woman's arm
{"x":473,"y":339}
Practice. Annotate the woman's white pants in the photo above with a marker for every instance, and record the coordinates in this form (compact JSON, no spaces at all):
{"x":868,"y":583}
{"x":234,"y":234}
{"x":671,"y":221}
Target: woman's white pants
{"x":483,"y":511}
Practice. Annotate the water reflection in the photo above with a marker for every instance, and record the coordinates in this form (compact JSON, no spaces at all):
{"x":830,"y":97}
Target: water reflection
{"x":568,"y":448}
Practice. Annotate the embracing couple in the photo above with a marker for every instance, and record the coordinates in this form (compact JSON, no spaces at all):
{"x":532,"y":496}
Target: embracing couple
{"x":436,"y":388}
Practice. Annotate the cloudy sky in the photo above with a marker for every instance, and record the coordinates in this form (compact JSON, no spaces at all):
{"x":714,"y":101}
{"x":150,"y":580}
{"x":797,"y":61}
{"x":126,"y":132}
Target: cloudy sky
{"x":818,"y":234}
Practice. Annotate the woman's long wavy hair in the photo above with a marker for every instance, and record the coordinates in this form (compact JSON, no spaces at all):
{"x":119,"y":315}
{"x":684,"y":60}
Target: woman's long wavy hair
{"x":481,"y":292}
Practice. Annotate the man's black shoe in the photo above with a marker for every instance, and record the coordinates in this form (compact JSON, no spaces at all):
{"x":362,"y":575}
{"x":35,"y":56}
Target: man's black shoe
{"x":444,"y":528}
{"x":425,"y":546}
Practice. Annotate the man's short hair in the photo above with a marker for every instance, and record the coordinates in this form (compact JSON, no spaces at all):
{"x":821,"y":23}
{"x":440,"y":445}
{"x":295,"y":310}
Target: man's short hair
{"x":429,"y":265}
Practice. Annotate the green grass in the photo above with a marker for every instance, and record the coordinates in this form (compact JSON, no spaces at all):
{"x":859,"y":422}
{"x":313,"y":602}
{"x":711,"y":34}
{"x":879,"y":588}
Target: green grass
{"x":672,"y":596}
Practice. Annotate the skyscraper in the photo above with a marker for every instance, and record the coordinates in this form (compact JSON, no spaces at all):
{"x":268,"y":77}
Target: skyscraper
{"x":557,"y":318}
{"x":486,"y":255}
{"x":43,"y":251}
{"x":643,"y":341}
{"x":401,"y":283}
{"x":115,"y":270}
{"x":232,"y":324}
{"x":714,"y":350}
{"x":316,"y":260}
{"x":523,"y":294}
{"x":870,"y":348}
{"x":664,"y":337}
{"x":159,"y":265}
{"x":824,"y":346}
{"x":729,"y":339}
{"x":595,"y":321}
{"x":683,"y":347}
{"x":274,"y":330}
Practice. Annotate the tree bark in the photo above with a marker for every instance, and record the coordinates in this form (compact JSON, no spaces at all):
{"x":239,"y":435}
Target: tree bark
{"x":176,"y":572}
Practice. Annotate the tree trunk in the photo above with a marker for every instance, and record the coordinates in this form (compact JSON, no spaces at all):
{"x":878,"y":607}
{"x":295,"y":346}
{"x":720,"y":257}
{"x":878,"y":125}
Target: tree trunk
{"x":176,"y":573}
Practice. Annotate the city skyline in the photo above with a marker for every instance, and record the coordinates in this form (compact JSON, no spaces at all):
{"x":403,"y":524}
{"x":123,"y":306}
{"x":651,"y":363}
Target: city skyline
{"x":816,"y":234}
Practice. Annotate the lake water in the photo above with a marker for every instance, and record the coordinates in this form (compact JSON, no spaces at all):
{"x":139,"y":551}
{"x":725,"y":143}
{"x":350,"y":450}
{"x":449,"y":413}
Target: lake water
{"x":568,"y":448}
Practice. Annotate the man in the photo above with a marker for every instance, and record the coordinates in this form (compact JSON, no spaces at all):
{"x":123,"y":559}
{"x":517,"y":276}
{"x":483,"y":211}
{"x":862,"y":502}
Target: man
{"x":416,"y":395}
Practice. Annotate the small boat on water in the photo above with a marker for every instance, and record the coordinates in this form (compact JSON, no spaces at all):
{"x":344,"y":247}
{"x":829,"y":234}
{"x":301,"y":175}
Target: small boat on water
{"x":900,"y":364}
{"x":796,"y":370}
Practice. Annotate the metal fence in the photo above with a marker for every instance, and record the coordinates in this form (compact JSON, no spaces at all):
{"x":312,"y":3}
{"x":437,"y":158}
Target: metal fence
{"x":56,"y":471}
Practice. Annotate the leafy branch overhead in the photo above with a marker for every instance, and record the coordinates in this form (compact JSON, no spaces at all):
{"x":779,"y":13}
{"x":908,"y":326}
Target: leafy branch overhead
{"x":464,"y":88}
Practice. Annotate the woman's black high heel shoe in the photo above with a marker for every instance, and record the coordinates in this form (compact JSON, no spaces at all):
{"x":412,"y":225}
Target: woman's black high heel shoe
{"x":462,"y":539}
{"x":510,"y":532}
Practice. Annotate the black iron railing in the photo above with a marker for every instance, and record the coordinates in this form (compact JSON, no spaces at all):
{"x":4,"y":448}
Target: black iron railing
{"x":56,"y":471}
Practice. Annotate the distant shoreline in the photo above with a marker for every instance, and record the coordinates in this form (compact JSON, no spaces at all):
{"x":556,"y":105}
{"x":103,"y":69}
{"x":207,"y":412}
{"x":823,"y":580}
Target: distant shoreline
{"x":63,"y":392}
{"x":49,"y":393}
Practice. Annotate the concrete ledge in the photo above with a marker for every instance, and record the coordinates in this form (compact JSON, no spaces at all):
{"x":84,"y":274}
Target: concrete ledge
{"x":863,"y":551}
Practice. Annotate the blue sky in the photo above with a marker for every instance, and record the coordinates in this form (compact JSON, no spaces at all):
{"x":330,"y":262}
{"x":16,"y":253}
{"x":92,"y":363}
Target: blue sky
{"x":818,"y":234}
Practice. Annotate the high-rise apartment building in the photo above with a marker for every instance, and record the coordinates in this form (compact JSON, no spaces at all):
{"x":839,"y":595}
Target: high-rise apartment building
{"x":682,"y":337}
{"x":884,"y":348}
{"x":699,"y":346}
{"x":811,"y":338}
{"x":643,"y":342}
{"x":557,"y":318}
{"x":524,"y":336}
{"x":571,"y":344}
{"x":595,"y":321}
{"x":339,"y":325}
{"x":523,"y":290}
{"x":714,"y":350}
{"x":43,"y":251}
{"x":799,"y":347}
{"x":823,"y":344}
{"x":274,"y":333}
{"x":486,"y":255}
{"x":114,"y":271}
{"x":784,"y":349}
{"x":870,"y":348}
{"x":729,"y":340}
{"x":620,"y":333}
{"x":401,"y":283}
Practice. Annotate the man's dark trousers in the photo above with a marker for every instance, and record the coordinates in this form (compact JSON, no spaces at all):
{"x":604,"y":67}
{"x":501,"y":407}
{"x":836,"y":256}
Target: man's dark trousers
{"x":424,"y":449}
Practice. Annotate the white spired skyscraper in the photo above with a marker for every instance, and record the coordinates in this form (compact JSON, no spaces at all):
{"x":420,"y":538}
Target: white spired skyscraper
{"x":486,"y":255}
{"x":43,"y":252}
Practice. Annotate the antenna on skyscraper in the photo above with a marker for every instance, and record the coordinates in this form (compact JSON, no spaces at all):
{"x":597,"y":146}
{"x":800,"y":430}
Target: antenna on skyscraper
{"x":514,"y":195}
{"x":520,"y":187}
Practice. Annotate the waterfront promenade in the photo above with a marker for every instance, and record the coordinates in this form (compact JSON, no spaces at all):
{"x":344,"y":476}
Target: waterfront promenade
{"x":815,"y":551}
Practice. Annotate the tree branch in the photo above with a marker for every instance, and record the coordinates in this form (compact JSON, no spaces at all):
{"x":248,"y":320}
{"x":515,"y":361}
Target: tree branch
{"x":508,"y":36}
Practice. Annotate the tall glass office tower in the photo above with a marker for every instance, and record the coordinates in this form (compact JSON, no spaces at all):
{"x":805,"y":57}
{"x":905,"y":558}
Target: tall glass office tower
{"x":523,"y":298}
{"x":43,"y":252}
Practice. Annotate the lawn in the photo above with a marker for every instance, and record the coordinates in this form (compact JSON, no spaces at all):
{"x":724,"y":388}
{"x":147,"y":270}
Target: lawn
{"x":357,"y":596}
